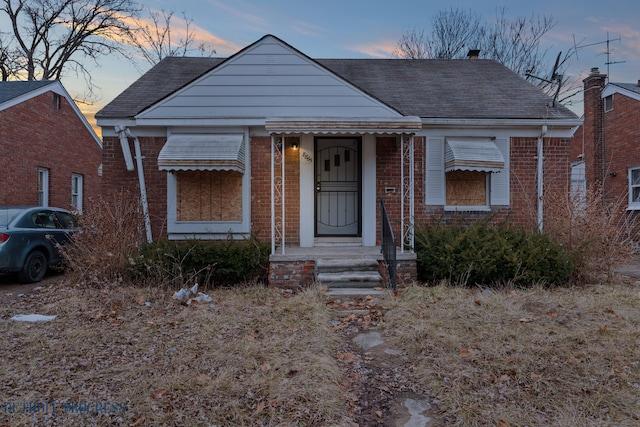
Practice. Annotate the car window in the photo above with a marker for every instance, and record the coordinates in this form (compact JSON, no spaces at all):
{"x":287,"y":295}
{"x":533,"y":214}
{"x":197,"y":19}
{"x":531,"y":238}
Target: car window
{"x":66,"y":220}
{"x":44,"y":219}
{"x":7,"y":215}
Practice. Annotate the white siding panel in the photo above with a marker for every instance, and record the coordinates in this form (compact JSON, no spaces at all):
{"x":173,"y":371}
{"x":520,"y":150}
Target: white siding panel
{"x":435,"y":184}
{"x":273,"y":90}
{"x":500,"y":181}
{"x":268,"y":79}
{"x":257,"y":112}
{"x":268,"y":101}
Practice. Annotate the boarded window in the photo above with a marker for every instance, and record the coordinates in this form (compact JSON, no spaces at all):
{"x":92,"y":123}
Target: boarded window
{"x":466,"y":188}
{"x":209,"y":196}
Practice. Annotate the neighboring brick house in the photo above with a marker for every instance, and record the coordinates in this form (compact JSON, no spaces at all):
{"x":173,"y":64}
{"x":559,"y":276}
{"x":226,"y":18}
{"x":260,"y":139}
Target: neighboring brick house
{"x":49,"y":154}
{"x":300,"y":151}
{"x":605,"y":151}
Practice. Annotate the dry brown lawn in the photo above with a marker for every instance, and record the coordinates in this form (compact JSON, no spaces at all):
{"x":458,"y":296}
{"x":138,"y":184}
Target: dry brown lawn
{"x":257,"y":356}
{"x":561,"y":357}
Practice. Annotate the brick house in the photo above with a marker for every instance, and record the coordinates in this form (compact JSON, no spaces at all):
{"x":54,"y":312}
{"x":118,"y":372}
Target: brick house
{"x":50,"y":154}
{"x":605,"y":149}
{"x":303,"y":151}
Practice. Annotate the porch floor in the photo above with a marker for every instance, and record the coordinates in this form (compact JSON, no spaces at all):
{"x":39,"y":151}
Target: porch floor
{"x":296,"y":253}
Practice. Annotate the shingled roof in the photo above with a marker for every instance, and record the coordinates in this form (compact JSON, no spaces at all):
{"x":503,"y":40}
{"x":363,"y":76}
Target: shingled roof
{"x":427,"y":88}
{"x":13,"y":89}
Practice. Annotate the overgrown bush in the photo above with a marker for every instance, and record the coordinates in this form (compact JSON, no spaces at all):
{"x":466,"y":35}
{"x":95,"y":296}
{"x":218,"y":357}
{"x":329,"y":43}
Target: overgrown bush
{"x":598,"y":234}
{"x":482,"y":253}
{"x":112,"y":228}
{"x":209,"y":263}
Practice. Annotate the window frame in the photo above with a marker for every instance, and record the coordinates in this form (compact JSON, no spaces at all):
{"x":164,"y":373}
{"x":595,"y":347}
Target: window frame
{"x":608,"y":103}
{"x":633,"y":205}
{"x":470,"y":208}
{"x":43,"y":187}
{"x":499,"y":190}
{"x":210,"y":230}
{"x":77,"y":191}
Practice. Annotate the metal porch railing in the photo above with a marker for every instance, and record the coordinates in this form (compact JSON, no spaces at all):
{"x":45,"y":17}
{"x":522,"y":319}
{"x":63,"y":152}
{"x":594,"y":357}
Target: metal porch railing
{"x":388,"y":247}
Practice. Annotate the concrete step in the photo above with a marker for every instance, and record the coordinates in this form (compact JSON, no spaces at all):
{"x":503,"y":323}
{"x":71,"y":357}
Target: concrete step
{"x":337,"y":265}
{"x":353,"y":279}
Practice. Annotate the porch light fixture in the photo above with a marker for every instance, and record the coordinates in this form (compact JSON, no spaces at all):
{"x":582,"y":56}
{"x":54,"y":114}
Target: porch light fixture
{"x":294,"y":145}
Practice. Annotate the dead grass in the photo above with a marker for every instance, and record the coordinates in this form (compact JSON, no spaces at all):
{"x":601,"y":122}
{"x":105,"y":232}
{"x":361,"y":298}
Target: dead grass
{"x":561,"y":357}
{"x":256,"y":357}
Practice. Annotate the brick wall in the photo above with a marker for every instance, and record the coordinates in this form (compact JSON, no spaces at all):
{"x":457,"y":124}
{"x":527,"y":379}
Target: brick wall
{"x":33,"y":135}
{"x":117,"y":181}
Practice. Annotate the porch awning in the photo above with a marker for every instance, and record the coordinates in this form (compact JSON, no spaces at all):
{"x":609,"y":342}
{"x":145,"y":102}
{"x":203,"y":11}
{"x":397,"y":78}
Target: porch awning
{"x":203,"y":152}
{"x":472,"y":154}
{"x":342,"y":125}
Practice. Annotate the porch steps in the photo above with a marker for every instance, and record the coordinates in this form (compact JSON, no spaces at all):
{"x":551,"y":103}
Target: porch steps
{"x":349,"y":277}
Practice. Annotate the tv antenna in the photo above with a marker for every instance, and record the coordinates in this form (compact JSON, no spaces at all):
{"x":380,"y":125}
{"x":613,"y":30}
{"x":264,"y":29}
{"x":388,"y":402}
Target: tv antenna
{"x":607,"y":52}
{"x":554,"y":79}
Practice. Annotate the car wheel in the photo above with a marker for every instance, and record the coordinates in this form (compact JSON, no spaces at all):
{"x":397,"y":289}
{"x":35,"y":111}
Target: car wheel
{"x":34,"y":268}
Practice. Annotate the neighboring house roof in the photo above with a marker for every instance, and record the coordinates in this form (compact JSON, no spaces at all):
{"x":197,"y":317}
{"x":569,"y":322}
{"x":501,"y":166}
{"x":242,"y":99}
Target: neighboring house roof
{"x":426,"y":88}
{"x":632,"y":90}
{"x":16,"y":92}
{"x":15,"y":89}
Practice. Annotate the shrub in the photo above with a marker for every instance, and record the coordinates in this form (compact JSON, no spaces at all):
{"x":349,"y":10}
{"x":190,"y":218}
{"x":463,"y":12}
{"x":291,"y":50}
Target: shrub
{"x":481,"y":253}
{"x":111,"y":230}
{"x":598,"y":234}
{"x":209,"y":263}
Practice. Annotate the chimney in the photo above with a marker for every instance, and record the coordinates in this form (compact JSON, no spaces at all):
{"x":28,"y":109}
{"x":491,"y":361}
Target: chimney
{"x":593,"y":127}
{"x":473,"y":53}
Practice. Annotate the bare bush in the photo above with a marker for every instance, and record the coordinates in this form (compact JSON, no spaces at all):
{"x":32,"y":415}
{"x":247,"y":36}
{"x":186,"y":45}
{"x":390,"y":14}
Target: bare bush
{"x":599,"y":235}
{"x":111,"y":230}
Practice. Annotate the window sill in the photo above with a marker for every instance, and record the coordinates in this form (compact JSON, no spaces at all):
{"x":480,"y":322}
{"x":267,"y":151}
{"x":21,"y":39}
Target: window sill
{"x":467,"y":209}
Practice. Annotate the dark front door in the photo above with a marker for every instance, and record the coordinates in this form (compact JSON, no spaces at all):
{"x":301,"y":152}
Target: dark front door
{"x":338,"y":186}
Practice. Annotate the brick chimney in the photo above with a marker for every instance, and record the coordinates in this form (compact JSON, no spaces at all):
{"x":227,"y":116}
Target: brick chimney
{"x":594,"y":147}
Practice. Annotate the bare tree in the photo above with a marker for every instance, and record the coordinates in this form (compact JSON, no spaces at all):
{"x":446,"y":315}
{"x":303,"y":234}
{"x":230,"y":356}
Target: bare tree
{"x":514,"y":43}
{"x":158,"y":37}
{"x":453,"y":33}
{"x":50,"y":37}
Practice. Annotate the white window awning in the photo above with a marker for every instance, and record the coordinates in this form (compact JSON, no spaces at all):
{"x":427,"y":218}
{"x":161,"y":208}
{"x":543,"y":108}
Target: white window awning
{"x":203,"y":152}
{"x":472,"y":154}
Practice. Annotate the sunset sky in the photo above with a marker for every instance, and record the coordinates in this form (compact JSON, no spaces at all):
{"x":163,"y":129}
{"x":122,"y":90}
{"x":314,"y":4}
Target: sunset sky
{"x":365,"y":28}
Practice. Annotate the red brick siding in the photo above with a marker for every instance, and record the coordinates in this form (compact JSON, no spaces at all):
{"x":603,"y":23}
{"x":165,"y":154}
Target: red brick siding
{"x":33,"y":135}
{"x":117,"y":181}
{"x":260,"y":150}
{"x":622,"y":145}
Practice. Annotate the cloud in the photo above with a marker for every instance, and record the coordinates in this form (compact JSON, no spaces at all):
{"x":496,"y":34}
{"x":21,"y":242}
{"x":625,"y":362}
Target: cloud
{"x":377,"y":49}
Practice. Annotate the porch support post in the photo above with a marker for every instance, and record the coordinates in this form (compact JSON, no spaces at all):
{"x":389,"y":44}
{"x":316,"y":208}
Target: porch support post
{"x":407,"y":202}
{"x":277,"y":193}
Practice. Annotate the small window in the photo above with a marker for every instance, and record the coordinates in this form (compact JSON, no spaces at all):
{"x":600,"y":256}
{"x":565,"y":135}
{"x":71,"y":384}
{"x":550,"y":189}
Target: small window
{"x":76,"y":192}
{"x":634,"y":188}
{"x":56,"y":101}
{"x":608,"y":103}
{"x":43,"y":187}
{"x":209,"y":196}
{"x":467,"y":188}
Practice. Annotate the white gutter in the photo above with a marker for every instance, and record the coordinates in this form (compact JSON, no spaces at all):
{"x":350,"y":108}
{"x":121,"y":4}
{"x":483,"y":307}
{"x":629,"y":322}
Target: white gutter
{"x":541,"y":178}
{"x":124,"y":134}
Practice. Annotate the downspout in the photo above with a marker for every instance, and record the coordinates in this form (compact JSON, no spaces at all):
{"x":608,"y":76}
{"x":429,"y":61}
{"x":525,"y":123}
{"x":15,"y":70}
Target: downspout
{"x":124,"y":134}
{"x":541,"y":178}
